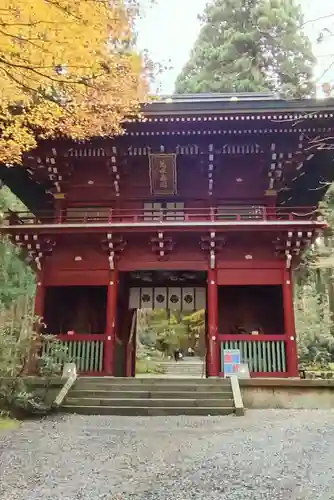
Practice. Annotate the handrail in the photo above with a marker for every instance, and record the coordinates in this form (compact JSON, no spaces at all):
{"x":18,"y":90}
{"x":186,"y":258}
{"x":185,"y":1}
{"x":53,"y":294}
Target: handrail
{"x":129,"y":345}
{"x":210,"y":214}
{"x":67,"y":386}
{"x":237,"y":397}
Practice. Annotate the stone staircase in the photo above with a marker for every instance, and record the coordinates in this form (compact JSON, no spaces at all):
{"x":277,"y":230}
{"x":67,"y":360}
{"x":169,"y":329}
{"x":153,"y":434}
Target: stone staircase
{"x":188,"y":367}
{"x":149,"y":396}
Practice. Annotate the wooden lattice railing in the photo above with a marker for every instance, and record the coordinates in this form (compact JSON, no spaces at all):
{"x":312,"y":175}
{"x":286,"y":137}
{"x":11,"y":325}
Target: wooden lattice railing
{"x":86,"y":351}
{"x":107,"y":215}
{"x":262,"y":355}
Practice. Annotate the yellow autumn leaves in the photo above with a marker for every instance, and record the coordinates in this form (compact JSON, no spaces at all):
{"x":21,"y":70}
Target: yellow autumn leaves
{"x":67,"y":67}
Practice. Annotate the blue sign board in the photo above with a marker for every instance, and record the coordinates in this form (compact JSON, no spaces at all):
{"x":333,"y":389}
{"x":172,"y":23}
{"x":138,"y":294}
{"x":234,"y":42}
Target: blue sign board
{"x":231,"y":361}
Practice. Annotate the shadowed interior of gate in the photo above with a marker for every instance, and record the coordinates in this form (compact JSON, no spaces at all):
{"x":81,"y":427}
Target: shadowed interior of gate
{"x":79,"y":309}
{"x":250,"y":308}
{"x":153,"y":319}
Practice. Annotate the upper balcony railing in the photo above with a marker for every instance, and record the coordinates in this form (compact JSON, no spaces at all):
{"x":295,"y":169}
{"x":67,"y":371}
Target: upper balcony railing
{"x":105,"y":215}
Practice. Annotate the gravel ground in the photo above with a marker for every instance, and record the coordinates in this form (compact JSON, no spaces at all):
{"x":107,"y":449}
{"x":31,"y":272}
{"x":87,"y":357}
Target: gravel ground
{"x":269,"y":454}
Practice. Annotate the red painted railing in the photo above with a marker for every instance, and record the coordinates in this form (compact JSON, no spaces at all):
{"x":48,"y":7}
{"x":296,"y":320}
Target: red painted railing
{"x":105,"y":215}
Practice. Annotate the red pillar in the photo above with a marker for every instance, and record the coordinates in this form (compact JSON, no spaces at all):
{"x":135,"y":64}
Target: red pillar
{"x":39,"y":295}
{"x":110,"y":332}
{"x":212,"y":360}
{"x":289,"y":325}
{"x":59,"y":205}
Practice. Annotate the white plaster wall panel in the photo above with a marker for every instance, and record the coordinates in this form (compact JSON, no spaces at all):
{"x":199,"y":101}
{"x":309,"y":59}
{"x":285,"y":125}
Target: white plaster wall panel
{"x":174,"y":299}
{"x":134,"y":298}
{"x":146,"y":298}
{"x":160,"y":298}
{"x":200,"y":298}
{"x":188,"y":299}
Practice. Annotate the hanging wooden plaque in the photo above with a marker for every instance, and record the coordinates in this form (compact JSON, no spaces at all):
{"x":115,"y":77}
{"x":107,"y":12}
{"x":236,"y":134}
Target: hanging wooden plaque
{"x":163,"y":174}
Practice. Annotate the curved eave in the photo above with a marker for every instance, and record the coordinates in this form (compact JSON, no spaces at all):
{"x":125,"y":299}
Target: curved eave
{"x":33,"y":195}
{"x":232,"y":103}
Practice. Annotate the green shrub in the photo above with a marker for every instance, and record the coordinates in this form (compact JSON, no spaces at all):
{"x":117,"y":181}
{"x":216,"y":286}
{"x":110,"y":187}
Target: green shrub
{"x":18,"y":349}
{"x":148,"y":366}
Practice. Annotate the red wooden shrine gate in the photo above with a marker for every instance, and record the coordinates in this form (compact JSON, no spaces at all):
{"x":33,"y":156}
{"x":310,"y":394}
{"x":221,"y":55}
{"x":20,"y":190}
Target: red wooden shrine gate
{"x":225,"y":187}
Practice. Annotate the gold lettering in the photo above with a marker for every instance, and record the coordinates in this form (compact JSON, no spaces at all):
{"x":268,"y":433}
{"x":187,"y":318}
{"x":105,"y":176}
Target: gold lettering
{"x":163,"y":179}
{"x":163,"y":166}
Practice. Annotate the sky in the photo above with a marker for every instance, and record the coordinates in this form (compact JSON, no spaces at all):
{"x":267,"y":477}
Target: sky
{"x":319,"y":15}
{"x":168,"y":32}
{"x":170,"y":27}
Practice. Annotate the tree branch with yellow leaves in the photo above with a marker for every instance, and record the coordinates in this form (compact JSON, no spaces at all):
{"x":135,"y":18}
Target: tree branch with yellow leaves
{"x":68,"y":68}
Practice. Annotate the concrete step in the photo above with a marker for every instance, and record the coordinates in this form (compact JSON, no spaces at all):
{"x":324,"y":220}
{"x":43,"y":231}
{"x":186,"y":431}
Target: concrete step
{"x":150,"y":396}
{"x":171,"y":388}
{"x":183,"y":364}
{"x":189,"y":381}
{"x":142,"y":394}
{"x":147,"y":410}
{"x":185,"y":370}
{"x":153,"y":380}
{"x":185,"y":367}
{"x":184,"y":361}
{"x":183,"y":403}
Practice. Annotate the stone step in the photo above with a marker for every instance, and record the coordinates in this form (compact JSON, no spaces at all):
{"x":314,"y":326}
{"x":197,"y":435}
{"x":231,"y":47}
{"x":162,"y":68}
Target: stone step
{"x":182,"y":364}
{"x":184,"y":361}
{"x":183,"y":374}
{"x":147,"y":410}
{"x":143,"y":379}
{"x":171,"y":387}
{"x":150,"y":396}
{"x":183,"y":403}
{"x":154,"y":381}
{"x":183,"y":369}
{"x":177,"y":371}
{"x":156,"y":393}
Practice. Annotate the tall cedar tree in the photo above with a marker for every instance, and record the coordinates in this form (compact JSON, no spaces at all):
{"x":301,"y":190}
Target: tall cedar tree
{"x":250,"y":46}
{"x":67,"y":68}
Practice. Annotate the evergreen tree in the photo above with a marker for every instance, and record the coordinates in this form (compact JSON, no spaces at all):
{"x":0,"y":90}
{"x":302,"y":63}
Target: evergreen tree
{"x":250,"y":46}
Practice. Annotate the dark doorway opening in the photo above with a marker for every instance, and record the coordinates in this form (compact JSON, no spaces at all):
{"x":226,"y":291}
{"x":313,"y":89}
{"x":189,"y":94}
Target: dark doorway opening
{"x":78,"y":309}
{"x":250,"y":309}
